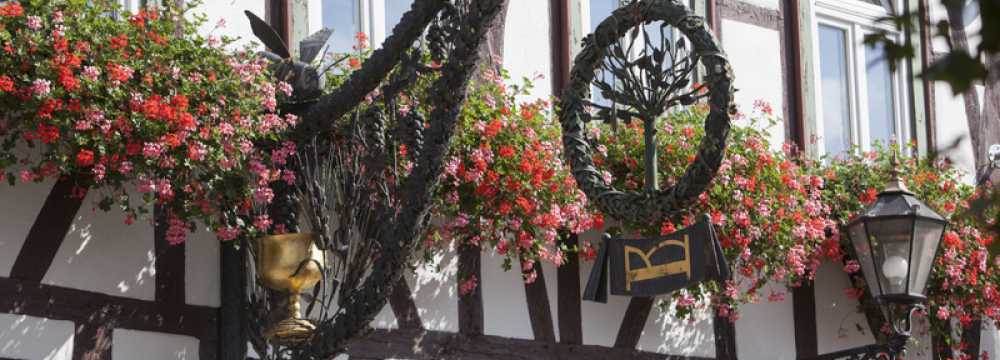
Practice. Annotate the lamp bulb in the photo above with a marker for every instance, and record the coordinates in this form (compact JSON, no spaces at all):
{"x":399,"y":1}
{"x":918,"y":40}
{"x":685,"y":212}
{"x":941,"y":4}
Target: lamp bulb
{"x":894,"y":268}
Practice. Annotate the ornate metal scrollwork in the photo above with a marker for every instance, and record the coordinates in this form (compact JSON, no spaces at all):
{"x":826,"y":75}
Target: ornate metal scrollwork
{"x":657,"y":87}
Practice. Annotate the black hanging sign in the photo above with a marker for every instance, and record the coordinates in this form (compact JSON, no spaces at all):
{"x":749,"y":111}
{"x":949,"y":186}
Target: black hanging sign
{"x":656,"y":266}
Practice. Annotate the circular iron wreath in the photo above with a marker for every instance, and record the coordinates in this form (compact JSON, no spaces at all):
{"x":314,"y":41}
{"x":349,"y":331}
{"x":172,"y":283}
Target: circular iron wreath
{"x":647,"y":206}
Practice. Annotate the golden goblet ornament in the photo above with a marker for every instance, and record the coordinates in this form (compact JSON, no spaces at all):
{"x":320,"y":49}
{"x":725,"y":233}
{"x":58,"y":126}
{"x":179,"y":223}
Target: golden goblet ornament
{"x":289,"y":263}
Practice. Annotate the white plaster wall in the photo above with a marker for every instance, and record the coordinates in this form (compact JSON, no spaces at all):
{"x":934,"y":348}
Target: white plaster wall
{"x":201,"y":269}
{"x":770,"y":4}
{"x":19,"y":206}
{"x":144,"y":345}
{"x":230,"y":11}
{"x":953,"y":126}
{"x":766,"y":330}
{"x":28,"y":337}
{"x":505,"y":307}
{"x":102,"y":254}
{"x":840,"y":324}
{"x":755,"y":54}
{"x":436,"y":293}
{"x":526,"y":52}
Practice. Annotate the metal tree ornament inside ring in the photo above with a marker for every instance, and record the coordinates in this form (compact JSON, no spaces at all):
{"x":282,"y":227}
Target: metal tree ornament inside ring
{"x":649,"y":205}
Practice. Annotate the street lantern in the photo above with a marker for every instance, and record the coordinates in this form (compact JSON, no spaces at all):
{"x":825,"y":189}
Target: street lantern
{"x":895,"y":241}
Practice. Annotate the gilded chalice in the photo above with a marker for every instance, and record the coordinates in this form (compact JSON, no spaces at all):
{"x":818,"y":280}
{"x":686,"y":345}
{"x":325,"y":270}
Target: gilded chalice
{"x":289,"y":263}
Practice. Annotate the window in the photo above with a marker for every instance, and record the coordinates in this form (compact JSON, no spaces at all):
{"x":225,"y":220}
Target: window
{"x":376,"y":18}
{"x":859,"y":98}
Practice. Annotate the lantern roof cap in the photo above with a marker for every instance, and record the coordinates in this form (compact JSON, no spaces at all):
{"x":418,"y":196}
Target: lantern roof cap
{"x":896,"y":200}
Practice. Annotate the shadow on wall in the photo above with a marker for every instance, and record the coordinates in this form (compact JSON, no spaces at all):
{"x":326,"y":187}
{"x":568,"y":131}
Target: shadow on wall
{"x":28,"y":337}
{"x":101,"y":253}
{"x":435,"y":295}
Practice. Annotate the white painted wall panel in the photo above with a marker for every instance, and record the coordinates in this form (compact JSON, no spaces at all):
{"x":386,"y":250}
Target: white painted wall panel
{"x":504,"y":304}
{"x":526,"y":44}
{"x":953,"y":126}
{"x":755,"y":54}
{"x":201,"y":269}
{"x":770,"y":4}
{"x":144,"y":345}
{"x":230,"y":11}
{"x":435,"y":292}
{"x":837,"y":317}
{"x":100,"y":253}
{"x":19,"y":206}
{"x":29,"y":337}
{"x":766,"y":330}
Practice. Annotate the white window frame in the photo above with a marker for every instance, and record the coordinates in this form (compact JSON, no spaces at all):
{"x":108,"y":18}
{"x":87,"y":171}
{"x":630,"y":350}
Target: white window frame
{"x":858,"y":18}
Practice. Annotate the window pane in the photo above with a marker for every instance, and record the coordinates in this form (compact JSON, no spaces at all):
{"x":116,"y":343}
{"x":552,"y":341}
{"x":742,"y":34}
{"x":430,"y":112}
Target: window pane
{"x":834,"y":83}
{"x":881,"y":108}
{"x":600,"y":10}
{"x":394,"y":10}
{"x":343,"y":17}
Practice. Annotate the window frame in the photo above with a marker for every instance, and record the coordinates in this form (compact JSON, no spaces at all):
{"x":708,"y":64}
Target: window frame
{"x":371,"y":16}
{"x":857,"y":19}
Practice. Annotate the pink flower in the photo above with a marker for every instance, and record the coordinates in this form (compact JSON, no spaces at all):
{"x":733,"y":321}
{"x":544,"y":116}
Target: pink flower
{"x":41,"y":87}
{"x":468,"y":286}
{"x":942,"y":313}
{"x":152,"y":150}
{"x":34,"y":22}
{"x":263,"y":195}
{"x":262,"y":223}
{"x":227,"y":233}
{"x":852,"y":266}
{"x":27,"y":176}
{"x":177,"y":231}
{"x":285,"y":88}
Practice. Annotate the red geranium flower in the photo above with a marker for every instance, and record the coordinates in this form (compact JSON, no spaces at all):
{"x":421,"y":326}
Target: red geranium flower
{"x":85,"y":158}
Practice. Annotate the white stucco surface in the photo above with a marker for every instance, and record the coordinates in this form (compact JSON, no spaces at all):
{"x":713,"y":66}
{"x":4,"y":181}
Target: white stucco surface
{"x":29,"y":337}
{"x":526,"y":49}
{"x":19,"y":207}
{"x":436,"y":293}
{"x":505,"y":307}
{"x":135,"y":345}
{"x":766,"y":330}
{"x":201,"y":269}
{"x":102,"y":254}
{"x":953,"y":127}
{"x":839,"y":323}
{"x":745,"y":45}
{"x":231,"y":12}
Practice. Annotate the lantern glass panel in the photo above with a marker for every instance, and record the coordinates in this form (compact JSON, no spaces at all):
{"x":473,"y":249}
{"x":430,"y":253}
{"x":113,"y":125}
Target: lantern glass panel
{"x":863,"y":251}
{"x":891,"y":238}
{"x":926,"y":237}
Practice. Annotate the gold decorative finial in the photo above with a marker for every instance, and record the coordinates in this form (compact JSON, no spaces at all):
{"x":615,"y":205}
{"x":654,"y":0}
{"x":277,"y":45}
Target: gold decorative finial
{"x":895,"y":183}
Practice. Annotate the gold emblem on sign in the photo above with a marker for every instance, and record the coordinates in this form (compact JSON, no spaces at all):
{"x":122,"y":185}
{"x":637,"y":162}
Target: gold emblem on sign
{"x":649,"y":271}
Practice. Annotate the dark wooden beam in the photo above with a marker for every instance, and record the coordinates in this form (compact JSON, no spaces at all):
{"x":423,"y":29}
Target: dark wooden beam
{"x":85,"y":307}
{"x":725,"y":338}
{"x":539,"y":311}
{"x":49,"y":229}
{"x":926,"y":58}
{"x":470,"y":306}
{"x":403,"y":306}
{"x":634,"y":321}
{"x":233,"y":340}
{"x":791,"y":46}
{"x":559,"y":42}
{"x":568,"y":304}
{"x":972,"y":338}
{"x":421,"y":344}
{"x":92,"y":341}
{"x":170,"y":264}
{"x":804,"y":314}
